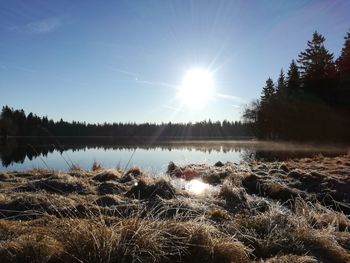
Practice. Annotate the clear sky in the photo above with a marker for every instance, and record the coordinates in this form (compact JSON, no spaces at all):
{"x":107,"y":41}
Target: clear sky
{"x":124,"y":60}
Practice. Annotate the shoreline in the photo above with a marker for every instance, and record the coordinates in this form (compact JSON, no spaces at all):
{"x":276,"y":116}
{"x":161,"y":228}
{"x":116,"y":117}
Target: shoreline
{"x":292,"y":211}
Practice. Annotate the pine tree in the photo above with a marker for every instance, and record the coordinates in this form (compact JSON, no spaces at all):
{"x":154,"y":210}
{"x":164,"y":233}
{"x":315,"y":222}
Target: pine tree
{"x":316,"y":62}
{"x":6,"y":112}
{"x":281,"y":86}
{"x":268,"y":92}
{"x":266,"y":114}
{"x":341,"y":95}
{"x":343,"y":62}
{"x":293,"y":76}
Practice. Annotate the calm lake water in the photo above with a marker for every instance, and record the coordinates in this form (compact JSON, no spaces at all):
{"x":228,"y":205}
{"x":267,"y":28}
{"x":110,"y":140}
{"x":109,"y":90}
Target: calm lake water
{"x":59,"y":153}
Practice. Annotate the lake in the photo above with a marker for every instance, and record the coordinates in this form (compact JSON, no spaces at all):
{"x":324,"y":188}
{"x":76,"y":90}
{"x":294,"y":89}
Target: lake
{"x":151,"y":156}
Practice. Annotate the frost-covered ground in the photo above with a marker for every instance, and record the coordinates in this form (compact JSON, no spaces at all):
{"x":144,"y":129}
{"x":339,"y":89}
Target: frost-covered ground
{"x":294,"y":211}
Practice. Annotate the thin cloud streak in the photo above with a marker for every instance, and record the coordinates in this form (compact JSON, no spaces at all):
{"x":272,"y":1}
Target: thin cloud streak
{"x":125,"y":72}
{"x":237,"y":106}
{"x":230,"y":97}
{"x":157,"y":83}
{"x":25,"y":69}
{"x":10,"y":66}
{"x":43,"y":26}
{"x":140,"y":81}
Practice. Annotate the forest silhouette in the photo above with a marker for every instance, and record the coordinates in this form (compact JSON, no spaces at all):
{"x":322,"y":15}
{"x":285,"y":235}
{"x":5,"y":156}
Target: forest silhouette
{"x":18,"y":123}
{"x":311,"y":103}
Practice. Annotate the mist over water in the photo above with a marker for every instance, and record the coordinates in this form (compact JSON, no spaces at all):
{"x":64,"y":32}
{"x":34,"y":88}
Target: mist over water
{"x":60,"y":154}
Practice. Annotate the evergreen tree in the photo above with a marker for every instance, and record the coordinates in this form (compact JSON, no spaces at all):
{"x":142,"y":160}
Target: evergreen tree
{"x":6,"y":112}
{"x":317,"y":74}
{"x":316,"y":62}
{"x":266,"y":111}
{"x":268,"y":92}
{"x":343,"y":62}
{"x":281,"y":86}
{"x":341,"y":96}
{"x":293,"y":77}
{"x":280,"y":105}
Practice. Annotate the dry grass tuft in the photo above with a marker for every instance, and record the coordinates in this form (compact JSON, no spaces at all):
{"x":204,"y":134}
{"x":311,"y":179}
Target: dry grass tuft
{"x":146,"y":189}
{"x":32,"y":205}
{"x":4,"y":176}
{"x":226,"y":250}
{"x":135,"y":172}
{"x":268,"y":233}
{"x":60,"y":185}
{"x":204,"y":244}
{"x":110,"y":188}
{"x":320,"y":217}
{"x":107,"y":201}
{"x":218,"y":215}
{"x":96,"y":166}
{"x":233,"y":196}
{"x":107,"y":175}
{"x":86,"y":241}
{"x":279,"y":191}
{"x":36,"y":248}
{"x":291,"y":259}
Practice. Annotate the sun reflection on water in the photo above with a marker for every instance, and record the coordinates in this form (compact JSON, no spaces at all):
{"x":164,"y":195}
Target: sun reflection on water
{"x":196,"y":186}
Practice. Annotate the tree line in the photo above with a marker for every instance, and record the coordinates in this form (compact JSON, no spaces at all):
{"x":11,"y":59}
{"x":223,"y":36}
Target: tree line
{"x":310,"y":102}
{"x":18,"y":123}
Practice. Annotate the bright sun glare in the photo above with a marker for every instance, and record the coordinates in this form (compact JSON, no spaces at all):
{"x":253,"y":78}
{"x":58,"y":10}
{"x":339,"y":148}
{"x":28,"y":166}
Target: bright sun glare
{"x":197,"y":187}
{"x":196,"y":89}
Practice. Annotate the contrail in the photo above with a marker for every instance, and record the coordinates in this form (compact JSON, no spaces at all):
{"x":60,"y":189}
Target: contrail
{"x":230,"y":97}
{"x":158,"y":83}
{"x":125,"y":72}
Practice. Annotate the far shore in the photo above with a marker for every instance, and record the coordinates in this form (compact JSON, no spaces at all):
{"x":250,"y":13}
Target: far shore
{"x":150,"y":138}
{"x":241,"y":141}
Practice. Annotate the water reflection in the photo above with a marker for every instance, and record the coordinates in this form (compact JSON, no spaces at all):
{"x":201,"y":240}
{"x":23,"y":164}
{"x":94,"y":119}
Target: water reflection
{"x":194,"y":186}
{"x":16,"y":151}
{"x":197,"y":187}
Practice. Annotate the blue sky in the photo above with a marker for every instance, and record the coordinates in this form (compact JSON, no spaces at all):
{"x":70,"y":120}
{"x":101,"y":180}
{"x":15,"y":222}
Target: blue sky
{"x":122,"y":60}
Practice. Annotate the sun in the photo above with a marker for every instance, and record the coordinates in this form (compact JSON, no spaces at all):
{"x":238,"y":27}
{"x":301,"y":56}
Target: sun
{"x":197,"y":88}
